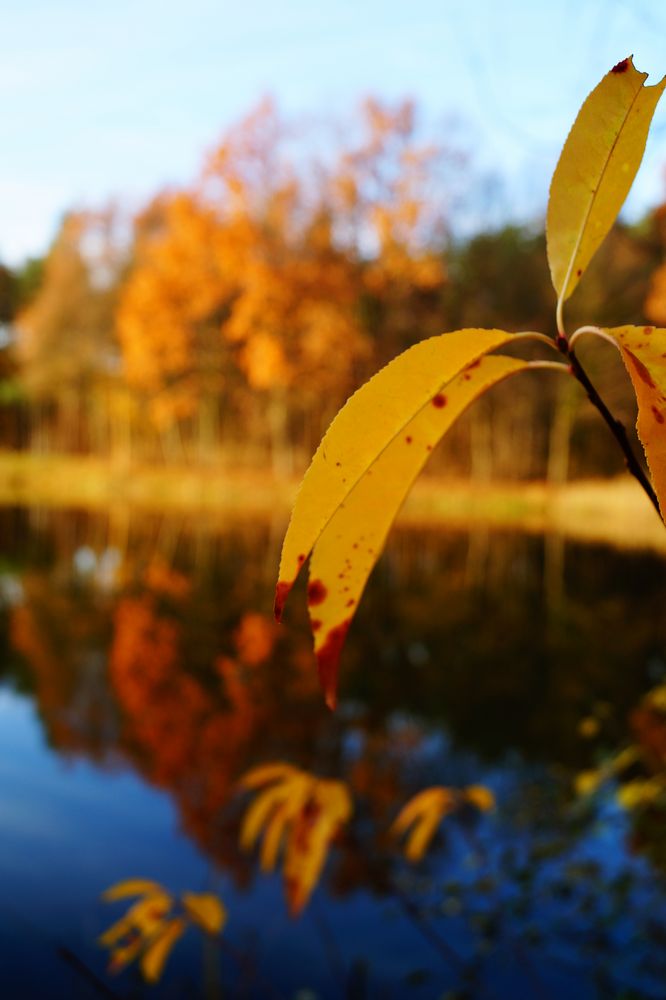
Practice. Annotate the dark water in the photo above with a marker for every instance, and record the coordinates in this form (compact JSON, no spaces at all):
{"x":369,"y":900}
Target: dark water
{"x":141,"y":677}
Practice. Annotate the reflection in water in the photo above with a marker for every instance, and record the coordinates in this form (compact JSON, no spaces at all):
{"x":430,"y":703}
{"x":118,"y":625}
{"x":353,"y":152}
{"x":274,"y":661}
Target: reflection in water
{"x":501,"y":661}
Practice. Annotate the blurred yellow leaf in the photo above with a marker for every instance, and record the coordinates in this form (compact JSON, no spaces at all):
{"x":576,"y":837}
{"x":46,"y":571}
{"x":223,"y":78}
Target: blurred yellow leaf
{"x":350,"y":544}
{"x":130,"y":887}
{"x":261,"y":775}
{"x":480,"y":796}
{"x":150,"y":929}
{"x":206,"y":910}
{"x":635,"y":794}
{"x":595,"y":170}
{"x":328,"y":808}
{"x":302,"y":810}
{"x":643,"y":350}
{"x":423,"y":813}
{"x":367,"y":423}
{"x":587,"y":782}
{"x":159,"y":949}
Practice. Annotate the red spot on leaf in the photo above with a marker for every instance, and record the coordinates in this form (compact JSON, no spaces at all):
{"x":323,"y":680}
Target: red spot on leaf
{"x":439,"y":400}
{"x":640,"y":369}
{"x":328,"y":661}
{"x":579,"y":271}
{"x":408,"y":439}
{"x":316,"y":592}
{"x":473,"y":364}
{"x":315,"y":624}
{"x":351,"y":602}
{"x":648,"y":330}
{"x":301,"y":558}
{"x":658,"y":415}
{"x":621,"y":67}
{"x":281,"y":594}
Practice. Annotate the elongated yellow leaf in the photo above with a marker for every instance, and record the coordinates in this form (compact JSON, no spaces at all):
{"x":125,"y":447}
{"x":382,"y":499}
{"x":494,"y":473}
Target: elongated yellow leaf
{"x":156,"y":954}
{"x":431,"y":800}
{"x":596,"y":168}
{"x":206,"y":910}
{"x":130,"y":887}
{"x":328,"y":807}
{"x":273,"y":837}
{"x":423,"y":813}
{"x":643,"y":350}
{"x":350,"y":544}
{"x":480,"y":796}
{"x":289,"y":795}
{"x":265,"y":773}
{"x":367,"y":423}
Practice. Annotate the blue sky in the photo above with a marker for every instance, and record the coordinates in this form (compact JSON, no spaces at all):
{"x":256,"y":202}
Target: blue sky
{"x":119,"y":99}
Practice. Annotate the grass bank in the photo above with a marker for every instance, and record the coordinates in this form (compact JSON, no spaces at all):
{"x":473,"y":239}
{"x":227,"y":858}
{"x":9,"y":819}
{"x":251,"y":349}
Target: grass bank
{"x":614,"y":511}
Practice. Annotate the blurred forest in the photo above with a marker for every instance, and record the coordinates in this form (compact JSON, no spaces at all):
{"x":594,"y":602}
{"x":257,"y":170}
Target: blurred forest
{"x":227,"y":322}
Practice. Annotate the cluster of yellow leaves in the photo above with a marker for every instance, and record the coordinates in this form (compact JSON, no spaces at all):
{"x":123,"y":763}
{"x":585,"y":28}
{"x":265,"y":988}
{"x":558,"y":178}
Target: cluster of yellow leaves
{"x":380,"y":440}
{"x":423,"y":813}
{"x":152,"y":926}
{"x":638,"y":771}
{"x":300,"y":812}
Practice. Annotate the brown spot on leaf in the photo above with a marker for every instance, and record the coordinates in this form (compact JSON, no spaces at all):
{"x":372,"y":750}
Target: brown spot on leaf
{"x":408,"y":439}
{"x":281,"y":594}
{"x":648,"y":330}
{"x":658,"y":415}
{"x":640,"y":369}
{"x":621,"y":67}
{"x":328,"y":661}
{"x":316,"y":592}
{"x":351,"y":602}
{"x":439,"y":400}
{"x":301,"y":558}
{"x":315,"y":624}
{"x":579,"y":271}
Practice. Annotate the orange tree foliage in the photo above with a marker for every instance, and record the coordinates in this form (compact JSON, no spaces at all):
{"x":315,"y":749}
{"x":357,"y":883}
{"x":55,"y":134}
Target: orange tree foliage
{"x":267,"y":275}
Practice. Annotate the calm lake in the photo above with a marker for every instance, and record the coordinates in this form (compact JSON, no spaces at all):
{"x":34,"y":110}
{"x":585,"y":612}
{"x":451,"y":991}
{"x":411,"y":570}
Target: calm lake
{"x":142,"y":676}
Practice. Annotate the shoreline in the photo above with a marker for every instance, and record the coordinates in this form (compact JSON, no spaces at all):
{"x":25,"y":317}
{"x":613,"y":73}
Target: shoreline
{"x":614,"y":511}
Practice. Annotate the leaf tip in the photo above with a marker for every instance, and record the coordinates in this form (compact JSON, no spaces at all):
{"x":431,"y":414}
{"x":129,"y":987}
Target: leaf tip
{"x":328,"y":661}
{"x":623,"y":65}
{"x":282,"y":589}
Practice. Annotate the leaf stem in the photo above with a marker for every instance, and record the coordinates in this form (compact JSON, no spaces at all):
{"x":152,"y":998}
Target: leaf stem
{"x":597,"y":331}
{"x":616,"y":427}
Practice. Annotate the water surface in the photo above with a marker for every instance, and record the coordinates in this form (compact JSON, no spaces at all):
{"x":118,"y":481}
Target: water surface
{"x":142,"y":676}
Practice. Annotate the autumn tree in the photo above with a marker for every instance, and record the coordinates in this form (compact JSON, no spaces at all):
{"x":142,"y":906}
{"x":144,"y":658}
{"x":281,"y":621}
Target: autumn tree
{"x":260,"y":291}
{"x":65,"y":342}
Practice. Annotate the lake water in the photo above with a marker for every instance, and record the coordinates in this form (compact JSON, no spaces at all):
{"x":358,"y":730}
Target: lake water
{"x":142,"y":676}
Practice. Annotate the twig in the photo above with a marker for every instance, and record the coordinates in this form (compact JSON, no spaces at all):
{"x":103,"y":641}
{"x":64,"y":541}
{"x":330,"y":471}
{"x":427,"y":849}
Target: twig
{"x":616,"y":427}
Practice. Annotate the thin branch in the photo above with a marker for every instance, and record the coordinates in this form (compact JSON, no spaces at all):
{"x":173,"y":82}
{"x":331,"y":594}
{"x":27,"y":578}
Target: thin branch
{"x":616,"y":427}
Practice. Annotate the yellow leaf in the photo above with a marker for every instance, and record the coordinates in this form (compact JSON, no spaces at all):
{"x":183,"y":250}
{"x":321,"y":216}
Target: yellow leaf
{"x":639,"y":793}
{"x":143,"y":917}
{"x":273,"y":837}
{"x":206,"y":910}
{"x":328,"y":807}
{"x":277,"y":804}
{"x":480,"y":796}
{"x":350,"y":544}
{"x":130,"y":887}
{"x":643,"y":350}
{"x":367,"y":423}
{"x":587,"y":782}
{"x":423,"y":813}
{"x":264,"y":773}
{"x":595,"y":170}
{"x":159,"y":949}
